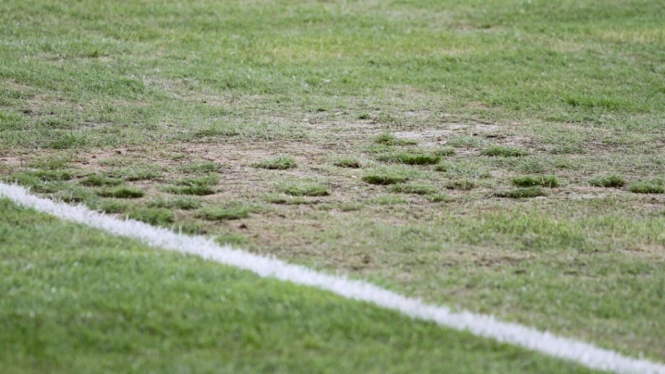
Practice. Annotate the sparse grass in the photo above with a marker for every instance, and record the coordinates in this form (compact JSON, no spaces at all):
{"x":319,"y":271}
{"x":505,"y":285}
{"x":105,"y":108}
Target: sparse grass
{"x":410,"y":158}
{"x":201,"y":167}
{"x":608,"y":181}
{"x":646,"y":188}
{"x":137,"y":173}
{"x":505,"y":151}
{"x":231,"y":238}
{"x":281,"y":162}
{"x":153,"y":216}
{"x":463,"y":170}
{"x":122,"y":192}
{"x":74,"y":194}
{"x":445,"y":151}
{"x":99,"y":180}
{"x":419,"y":189}
{"x":387,"y":200}
{"x":438,"y":198}
{"x":223,"y":213}
{"x":305,"y":189}
{"x":464,"y":185}
{"x":521,"y":193}
{"x":465,"y":142}
{"x":385,"y":176}
{"x":55,"y":162}
{"x":109,"y":206}
{"x":537,"y":180}
{"x":200,"y":186}
{"x":348,"y":162}
{"x":184,"y":203}
{"x":390,"y":140}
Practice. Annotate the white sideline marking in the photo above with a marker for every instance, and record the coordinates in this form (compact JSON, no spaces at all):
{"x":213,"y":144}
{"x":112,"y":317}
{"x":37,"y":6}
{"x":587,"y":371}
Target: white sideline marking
{"x":478,"y":324}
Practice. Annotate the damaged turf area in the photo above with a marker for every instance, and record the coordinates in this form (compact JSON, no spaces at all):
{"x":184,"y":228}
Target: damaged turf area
{"x":480,"y":159}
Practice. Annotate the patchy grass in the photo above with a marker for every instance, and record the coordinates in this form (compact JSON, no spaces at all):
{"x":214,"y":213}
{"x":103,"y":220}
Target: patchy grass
{"x":122,"y":192}
{"x":201,"y":167}
{"x":100,"y":180}
{"x":646,"y":188}
{"x":538,"y":180}
{"x":223,"y":213}
{"x":505,"y":151}
{"x":305,"y":189}
{"x":348,"y":162}
{"x":390,"y":140}
{"x":281,"y":162}
{"x":464,"y":185}
{"x":410,"y":158}
{"x":419,"y":189}
{"x":183,"y":203}
{"x":153,"y":216}
{"x":521,"y":193}
{"x":608,"y":181}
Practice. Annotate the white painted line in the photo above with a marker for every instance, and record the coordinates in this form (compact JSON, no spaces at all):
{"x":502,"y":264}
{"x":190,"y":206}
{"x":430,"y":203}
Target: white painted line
{"x":478,"y":324}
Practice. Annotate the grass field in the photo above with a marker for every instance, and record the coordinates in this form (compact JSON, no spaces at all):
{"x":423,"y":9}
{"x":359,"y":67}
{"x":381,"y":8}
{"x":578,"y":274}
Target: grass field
{"x":505,"y":157}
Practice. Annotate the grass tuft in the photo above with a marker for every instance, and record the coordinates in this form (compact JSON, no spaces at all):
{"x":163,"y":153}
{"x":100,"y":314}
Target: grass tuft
{"x":418,"y":189}
{"x":464,"y":185}
{"x":609,"y":181}
{"x":153,"y":216}
{"x":541,"y":180}
{"x":184,"y":203}
{"x":521,"y":193}
{"x":122,"y":192}
{"x":646,"y":187}
{"x":348,"y":162}
{"x":504,"y":151}
{"x":221,"y":213}
{"x":410,"y":158}
{"x":305,"y":189}
{"x":390,"y":139}
{"x":281,"y":162}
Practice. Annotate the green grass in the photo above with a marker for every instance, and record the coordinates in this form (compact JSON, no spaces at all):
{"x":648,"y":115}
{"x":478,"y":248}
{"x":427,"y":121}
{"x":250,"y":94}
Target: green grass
{"x":504,"y":151}
{"x":281,"y":162}
{"x":305,"y":189}
{"x":539,"y":180}
{"x":98,"y":180}
{"x":410,"y":158}
{"x":223,"y":213}
{"x":609,"y":181}
{"x":348,"y":162}
{"x":122,"y":192}
{"x":419,"y":189}
{"x":153,"y":216}
{"x":521,"y":193}
{"x":164,"y":92}
{"x":646,"y":188}
{"x":76,"y":300}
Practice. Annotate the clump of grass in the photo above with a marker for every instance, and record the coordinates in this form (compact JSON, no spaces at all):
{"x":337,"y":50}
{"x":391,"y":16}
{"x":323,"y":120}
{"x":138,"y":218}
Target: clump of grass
{"x":184,"y":203}
{"x":531,"y":166}
{"x":199,"y":186}
{"x":364,"y":116}
{"x":153,"y":216}
{"x":445,"y":151}
{"x":384,"y":175}
{"x":138,"y":173}
{"x":122,"y":192}
{"x":540,"y":180}
{"x":281,"y":162}
{"x":464,"y":185}
{"x":384,"y":179}
{"x":193,"y":228}
{"x":99,"y":180}
{"x":390,"y":139}
{"x":418,"y":189}
{"x":646,"y":187}
{"x":305,"y":189}
{"x":222,"y":213}
{"x":608,"y":181}
{"x":411,"y":158}
{"x":201,"y":167}
{"x":505,"y":151}
{"x":457,"y":170}
{"x":347,"y":162}
{"x":230,"y":238}
{"x":521,"y":193}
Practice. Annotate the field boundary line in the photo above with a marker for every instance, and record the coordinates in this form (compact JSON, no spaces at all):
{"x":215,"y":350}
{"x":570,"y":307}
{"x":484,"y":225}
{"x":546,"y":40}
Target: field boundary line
{"x":478,"y":324}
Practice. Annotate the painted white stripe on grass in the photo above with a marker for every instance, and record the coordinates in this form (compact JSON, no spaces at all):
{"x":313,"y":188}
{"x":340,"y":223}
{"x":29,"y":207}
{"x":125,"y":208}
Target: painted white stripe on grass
{"x":478,"y":324}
